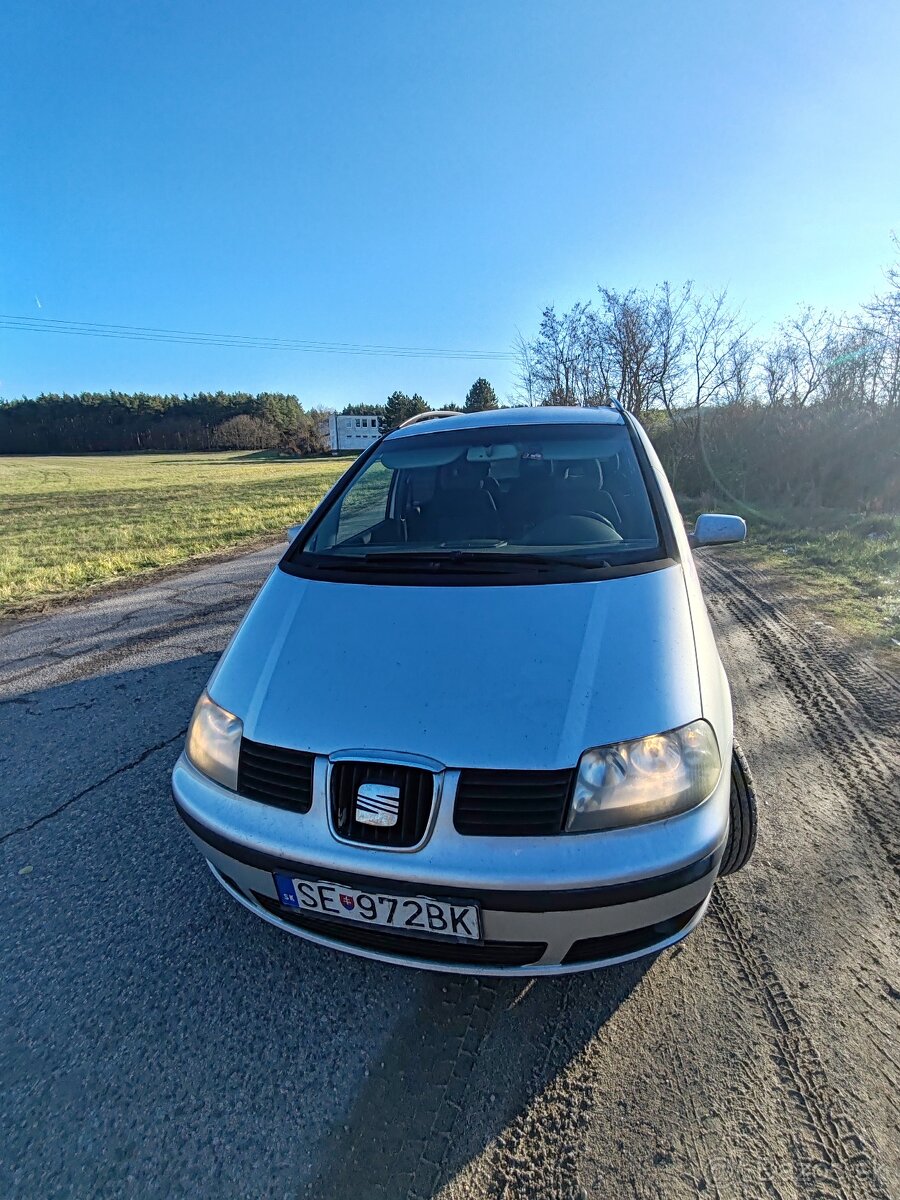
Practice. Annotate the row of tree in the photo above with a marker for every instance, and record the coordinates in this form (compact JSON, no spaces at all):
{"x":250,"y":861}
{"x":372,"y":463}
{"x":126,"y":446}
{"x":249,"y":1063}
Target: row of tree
{"x":399,"y":407}
{"x":678,"y":350}
{"x":811,"y":412}
{"x":121,"y":421}
{"x":93,"y":422}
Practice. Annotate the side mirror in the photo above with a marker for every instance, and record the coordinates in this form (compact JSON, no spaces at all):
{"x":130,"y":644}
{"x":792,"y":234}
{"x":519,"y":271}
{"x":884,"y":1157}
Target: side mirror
{"x":716,"y":529}
{"x":292,"y":532}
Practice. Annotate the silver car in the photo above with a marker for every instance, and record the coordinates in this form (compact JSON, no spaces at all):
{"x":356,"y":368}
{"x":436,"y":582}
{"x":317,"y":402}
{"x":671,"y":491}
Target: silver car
{"x":476,"y":719}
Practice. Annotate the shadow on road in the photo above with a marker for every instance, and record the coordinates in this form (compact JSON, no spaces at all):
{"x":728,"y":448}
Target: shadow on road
{"x":458,"y":1070}
{"x":162,"y":1040}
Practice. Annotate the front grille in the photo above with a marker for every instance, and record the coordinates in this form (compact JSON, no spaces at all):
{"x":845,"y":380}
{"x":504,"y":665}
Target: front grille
{"x":387,"y":941}
{"x":632,"y":941}
{"x":276,"y":775}
{"x":511,"y":803}
{"x":416,"y":795}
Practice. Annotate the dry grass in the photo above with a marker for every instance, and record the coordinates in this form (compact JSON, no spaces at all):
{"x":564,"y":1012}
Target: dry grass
{"x":847,"y":565}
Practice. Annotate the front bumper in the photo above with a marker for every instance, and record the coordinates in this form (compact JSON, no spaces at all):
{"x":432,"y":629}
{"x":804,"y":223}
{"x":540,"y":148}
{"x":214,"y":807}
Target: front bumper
{"x":549,"y":905}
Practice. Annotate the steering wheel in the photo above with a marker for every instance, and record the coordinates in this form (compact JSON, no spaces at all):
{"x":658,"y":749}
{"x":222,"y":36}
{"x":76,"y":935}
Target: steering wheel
{"x":579,"y":528}
{"x":595,"y":516}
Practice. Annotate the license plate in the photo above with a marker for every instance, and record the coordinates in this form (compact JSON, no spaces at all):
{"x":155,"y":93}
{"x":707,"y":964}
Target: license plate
{"x":410,"y":914}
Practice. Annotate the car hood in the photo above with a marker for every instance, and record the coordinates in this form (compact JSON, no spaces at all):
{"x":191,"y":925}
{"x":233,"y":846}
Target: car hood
{"x":518,"y":677}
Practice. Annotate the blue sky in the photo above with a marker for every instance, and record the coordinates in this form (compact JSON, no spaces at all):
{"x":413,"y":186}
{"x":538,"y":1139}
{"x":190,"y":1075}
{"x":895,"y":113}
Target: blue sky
{"x":423,"y":174}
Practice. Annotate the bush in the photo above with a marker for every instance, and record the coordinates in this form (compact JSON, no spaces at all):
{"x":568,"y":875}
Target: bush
{"x":308,"y":435}
{"x":799,"y":457}
{"x":245,"y":433}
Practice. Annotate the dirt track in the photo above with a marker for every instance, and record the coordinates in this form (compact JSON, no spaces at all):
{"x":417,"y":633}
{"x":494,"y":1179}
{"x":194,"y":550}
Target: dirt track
{"x":175,"y":1046}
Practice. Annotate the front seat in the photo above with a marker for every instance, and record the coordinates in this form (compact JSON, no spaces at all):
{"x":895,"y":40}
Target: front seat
{"x":529,"y":499}
{"x":460,"y":509}
{"x":582,"y":490}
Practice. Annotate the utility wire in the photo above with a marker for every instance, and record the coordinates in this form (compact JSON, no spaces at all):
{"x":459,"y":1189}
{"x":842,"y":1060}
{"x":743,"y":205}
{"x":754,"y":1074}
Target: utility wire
{"x":141,"y":333}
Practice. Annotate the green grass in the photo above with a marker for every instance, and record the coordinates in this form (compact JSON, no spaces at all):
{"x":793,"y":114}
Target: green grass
{"x":70,"y":523}
{"x":845,"y":565}
{"x":849,"y":566}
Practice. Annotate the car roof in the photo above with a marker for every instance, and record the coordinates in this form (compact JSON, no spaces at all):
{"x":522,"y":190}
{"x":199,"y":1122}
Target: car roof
{"x":551,"y":415}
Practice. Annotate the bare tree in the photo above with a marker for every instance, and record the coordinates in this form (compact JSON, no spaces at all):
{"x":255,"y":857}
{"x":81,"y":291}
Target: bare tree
{"x":559,"y":366}
{"x":627,"y":366}
{"x":629,"y":351}
{"x":882,"y":329}
{"x":847,"y":378}
{"x":525,"y":380}
{"x":558,"y":354}
{"x":643,"y":340}
{"x":717,"y":346}
{"x":682,"y":351}
{"x":795,"y":363}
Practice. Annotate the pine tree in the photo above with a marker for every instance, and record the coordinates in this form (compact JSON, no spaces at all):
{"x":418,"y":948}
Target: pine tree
{"x":400,"y":408}
{"x":480,"y":397}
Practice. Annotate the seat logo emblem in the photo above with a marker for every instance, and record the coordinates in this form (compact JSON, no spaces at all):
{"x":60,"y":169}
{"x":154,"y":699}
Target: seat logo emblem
{"x":377,"y":804}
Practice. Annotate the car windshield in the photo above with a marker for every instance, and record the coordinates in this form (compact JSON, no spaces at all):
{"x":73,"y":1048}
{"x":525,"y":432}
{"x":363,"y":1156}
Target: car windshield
{"x":489,"y":498}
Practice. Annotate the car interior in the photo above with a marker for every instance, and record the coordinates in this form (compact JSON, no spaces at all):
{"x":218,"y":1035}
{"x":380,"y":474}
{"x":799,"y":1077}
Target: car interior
{"x":567,"y":493}
{"x":543,"y":501}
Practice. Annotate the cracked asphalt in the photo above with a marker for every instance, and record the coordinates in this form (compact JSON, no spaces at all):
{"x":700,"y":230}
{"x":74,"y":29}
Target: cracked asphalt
{"x":158,"y":1040}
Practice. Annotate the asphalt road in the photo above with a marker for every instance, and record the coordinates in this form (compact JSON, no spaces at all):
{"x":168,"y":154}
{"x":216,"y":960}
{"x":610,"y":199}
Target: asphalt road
{"x":158,"y":1040}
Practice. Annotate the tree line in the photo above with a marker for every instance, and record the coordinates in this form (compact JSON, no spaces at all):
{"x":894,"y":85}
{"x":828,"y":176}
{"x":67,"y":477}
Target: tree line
{"x":808,"y":415}
{"x":678,"y":350}
{"x":399,"y":406}
{"x":94,"y":422}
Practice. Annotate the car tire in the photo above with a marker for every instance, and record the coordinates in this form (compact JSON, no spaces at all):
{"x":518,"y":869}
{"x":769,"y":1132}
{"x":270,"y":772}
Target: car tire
{"x":743,"y":819}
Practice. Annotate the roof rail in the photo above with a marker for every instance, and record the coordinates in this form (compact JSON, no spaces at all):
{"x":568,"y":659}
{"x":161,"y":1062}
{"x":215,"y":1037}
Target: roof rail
{"x":428,"y":416}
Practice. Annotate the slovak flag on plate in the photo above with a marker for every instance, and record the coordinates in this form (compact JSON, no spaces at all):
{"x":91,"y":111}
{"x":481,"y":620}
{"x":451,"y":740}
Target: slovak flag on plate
{"x":348,"y":902}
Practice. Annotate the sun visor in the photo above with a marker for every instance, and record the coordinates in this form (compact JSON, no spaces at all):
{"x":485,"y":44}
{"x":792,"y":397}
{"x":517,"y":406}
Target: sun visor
{"x":399,"y":459}
{"x":570,"y":451}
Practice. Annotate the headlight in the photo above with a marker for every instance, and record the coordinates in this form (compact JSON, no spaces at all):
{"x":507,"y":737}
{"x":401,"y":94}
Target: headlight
{"x":645,"y":780}
{"x":214,"y":742}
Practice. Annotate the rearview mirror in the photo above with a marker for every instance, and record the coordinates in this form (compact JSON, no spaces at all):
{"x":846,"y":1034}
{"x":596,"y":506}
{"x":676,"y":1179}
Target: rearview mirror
{"x":717,"y":529}
{"x":292,"y":531}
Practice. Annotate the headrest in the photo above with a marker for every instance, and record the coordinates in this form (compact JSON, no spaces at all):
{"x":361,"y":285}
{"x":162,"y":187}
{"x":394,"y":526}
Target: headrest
{"x":585,"y":468}
{"x":462,"y":476}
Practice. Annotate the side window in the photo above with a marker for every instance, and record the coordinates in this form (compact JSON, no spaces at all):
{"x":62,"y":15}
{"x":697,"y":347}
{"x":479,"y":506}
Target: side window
{"x":365,"y":504}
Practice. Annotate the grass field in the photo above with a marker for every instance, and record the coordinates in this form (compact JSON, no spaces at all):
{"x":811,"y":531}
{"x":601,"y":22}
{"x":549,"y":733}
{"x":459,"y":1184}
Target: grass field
{"x":69,"y":523}
{"x":848,"y":565}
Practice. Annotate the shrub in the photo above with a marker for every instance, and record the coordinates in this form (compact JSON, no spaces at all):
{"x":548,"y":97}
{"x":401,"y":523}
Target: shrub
{"x":801,"y":457}
{"x":245,"y":433}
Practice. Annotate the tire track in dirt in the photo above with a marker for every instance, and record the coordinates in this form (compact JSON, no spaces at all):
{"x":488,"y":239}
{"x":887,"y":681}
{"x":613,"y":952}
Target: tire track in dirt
{"x":534,"y":1088}
{"x":873,"y":689}
{"x":831,"y":1159}
{"x":536,"y":1155}
{"x":865,"y":767}
{"x":448,"y":1107}
{"x":848,"y":705}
